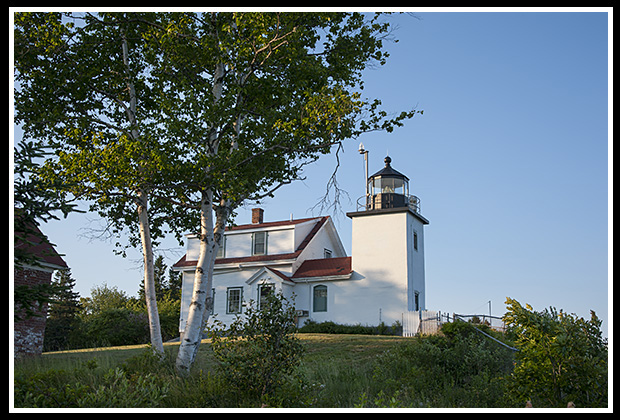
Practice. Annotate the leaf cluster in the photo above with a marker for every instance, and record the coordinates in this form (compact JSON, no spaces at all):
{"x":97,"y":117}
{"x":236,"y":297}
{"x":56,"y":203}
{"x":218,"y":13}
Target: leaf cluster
{"x":259,"y":352}
{"x":174,"y":104}
{"x":561,"y":358}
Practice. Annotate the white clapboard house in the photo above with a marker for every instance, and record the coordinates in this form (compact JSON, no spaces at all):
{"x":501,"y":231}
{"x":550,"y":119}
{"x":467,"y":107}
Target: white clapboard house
{"x":382,"y":279}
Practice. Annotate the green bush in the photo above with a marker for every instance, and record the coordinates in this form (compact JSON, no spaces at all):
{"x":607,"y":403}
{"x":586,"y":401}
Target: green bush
{"x":329,"y":327}
{"x":458,"y":368}
{"x":259,"y":353}
{"x":561,"y":358}
{"x":118,"y":327}
{"x":87,"y":386}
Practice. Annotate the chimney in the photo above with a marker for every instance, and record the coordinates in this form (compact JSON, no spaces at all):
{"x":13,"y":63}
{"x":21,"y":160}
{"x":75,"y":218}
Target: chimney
{"x":257,"y":216}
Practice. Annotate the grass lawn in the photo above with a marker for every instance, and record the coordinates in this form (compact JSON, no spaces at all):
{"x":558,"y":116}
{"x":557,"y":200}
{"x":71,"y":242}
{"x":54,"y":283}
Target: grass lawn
{"x":338,"y":367}
{"x":347,"y":349}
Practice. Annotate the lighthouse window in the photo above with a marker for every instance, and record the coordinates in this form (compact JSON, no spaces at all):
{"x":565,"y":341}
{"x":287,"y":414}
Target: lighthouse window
{"x":388,"y":185}
{"x":415,"y":240}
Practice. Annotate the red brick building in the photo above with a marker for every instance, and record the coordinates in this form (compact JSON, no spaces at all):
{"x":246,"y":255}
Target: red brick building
{"x":29,"y":331}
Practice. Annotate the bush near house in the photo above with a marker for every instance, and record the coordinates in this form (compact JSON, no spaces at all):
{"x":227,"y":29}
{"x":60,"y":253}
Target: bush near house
{"x":329,"y":327}
{"x":458,"y":367}
{"x":259,"y":353}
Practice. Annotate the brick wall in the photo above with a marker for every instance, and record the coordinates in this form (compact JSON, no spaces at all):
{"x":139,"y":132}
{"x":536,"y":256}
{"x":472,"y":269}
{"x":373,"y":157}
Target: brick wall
{"x":28,"y":333}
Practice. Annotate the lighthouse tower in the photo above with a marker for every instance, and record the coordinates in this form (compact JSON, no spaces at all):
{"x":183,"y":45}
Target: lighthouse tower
{"x":388,"y":244}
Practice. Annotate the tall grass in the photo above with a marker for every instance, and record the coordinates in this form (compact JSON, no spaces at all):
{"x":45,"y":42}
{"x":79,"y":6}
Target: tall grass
{"x":336,"y":371}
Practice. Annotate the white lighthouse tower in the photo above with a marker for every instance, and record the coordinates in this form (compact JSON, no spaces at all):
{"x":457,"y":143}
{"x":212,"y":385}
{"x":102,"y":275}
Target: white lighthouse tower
{"x":388,"y":245}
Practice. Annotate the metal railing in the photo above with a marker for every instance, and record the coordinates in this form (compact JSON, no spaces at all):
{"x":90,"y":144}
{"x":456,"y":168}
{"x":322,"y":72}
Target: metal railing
{"x":367,"y":202}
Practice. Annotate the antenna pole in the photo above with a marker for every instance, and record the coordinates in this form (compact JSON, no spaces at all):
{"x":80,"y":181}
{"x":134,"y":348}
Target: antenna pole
{"x":365,"y":153}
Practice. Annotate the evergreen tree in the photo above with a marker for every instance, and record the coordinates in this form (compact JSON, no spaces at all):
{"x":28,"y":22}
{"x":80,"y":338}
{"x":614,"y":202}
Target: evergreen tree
{"x":159,"y":277}
{"x":62,"y":323}
{"x":174,"y":284}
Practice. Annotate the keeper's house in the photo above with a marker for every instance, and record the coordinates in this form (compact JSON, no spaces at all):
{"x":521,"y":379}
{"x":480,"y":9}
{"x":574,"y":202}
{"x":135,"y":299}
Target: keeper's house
{"x":381,"y":280}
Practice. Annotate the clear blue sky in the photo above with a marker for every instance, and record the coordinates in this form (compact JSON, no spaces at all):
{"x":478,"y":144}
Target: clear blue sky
{"x":510,"y":161}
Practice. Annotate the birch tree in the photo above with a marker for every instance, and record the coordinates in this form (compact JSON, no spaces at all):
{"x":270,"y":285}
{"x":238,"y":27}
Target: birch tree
{"x":82,"y":89}
{"x":259,"y":96}
{"x":172,"y":120}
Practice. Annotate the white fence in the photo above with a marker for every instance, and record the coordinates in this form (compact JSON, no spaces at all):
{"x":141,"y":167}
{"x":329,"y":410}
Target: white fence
{"x":421,"y":322}
{"x":429,"y":322}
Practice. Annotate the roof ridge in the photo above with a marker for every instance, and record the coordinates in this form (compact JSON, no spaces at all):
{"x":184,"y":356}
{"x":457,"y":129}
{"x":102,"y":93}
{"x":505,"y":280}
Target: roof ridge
{"x":312,"y":233}
{"x":272,"y":224}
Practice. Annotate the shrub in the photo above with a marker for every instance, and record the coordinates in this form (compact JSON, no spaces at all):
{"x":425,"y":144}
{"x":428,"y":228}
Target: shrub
{"x":329,"y":327}
{"x":458,"y":368}
{"x":83,"y":387}
{"x":561,"y":358}
{"x":118,"y":326}
{"x":259,"y":352}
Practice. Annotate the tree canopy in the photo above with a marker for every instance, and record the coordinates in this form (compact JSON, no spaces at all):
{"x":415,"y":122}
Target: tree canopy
{"x":169,"y":121}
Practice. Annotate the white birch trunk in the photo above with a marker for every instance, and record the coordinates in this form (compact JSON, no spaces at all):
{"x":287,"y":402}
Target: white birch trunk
{"x":149,"y":277}
{"x":143,"y":221}
{"x":203,"y":281}
{"x":198,"y":312}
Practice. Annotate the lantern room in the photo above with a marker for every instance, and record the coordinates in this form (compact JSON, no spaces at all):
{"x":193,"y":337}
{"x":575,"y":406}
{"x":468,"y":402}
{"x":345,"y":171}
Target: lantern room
{"x":388,"y":189}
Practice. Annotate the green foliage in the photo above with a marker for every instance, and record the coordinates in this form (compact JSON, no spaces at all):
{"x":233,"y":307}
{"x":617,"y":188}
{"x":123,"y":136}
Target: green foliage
{"x":174,"y":104}
{"x":335,"y":371}
{"x":561,"y":358}
{"x":108,"y":317}
{"x":34,"y":201}
{"x":459,"y":368}
{"x":90,"y":385}
{"x":329,"y":327}
{"x":154,"y":114}
{"x":259,"y":353}
{"x":103,"y":298}
{"x":119,"y":326}
{"x":82,"y":387}
{"x":63,"y":321}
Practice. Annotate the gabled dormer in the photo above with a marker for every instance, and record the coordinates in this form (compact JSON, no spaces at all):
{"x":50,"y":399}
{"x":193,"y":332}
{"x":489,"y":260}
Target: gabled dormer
{"x":260,"y":243}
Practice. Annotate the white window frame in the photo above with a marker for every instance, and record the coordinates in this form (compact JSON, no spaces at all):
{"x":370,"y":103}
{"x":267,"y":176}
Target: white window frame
{"x":229,"y":301}
{"x":271,"y":286}
{"x":221,"y":252}
{"x":254,"y":243}
{"x":314,"y":298}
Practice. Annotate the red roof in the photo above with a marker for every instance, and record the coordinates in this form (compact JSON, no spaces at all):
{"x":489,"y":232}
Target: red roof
{"x":271,"y":224}
{"x":279,"y":273}
{"x":275,"y":257}
{"x":324,"y":267}
{"x":41,"y":250}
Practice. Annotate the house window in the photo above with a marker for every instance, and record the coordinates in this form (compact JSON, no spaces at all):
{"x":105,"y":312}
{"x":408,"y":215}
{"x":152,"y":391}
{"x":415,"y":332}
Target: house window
{"x":221,"y":251}
{"x":211,"y":302}
{"x":259,"y":243}
{"x":319,"y":301}
{"x":233,"y":300}
{"x":327,"y":253}
{"x":264,"y":290}
{"x":415,"y":240}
